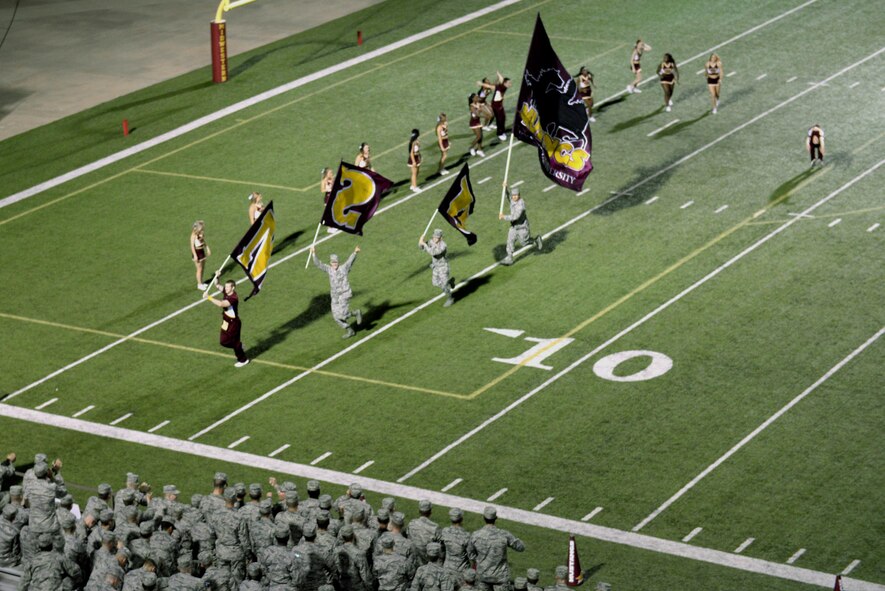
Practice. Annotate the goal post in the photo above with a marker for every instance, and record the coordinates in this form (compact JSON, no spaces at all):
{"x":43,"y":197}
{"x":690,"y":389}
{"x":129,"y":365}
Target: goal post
{"x":218,"y":38}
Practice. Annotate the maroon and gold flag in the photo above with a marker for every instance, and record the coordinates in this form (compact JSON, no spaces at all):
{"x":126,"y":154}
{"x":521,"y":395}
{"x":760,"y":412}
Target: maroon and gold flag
{"x":575,"y":574}
{"x":458,"y":204}
{"x":254,"y":250}
{"x":354,"y":197}
{"x":551,"y":116}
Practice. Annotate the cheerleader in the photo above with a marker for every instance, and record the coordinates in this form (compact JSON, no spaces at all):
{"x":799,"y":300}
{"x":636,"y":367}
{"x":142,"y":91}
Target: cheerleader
{"x":363,"y":158}
{"x":815,"y":145}
{"x":638,"y":50}
{"x":669,"y":75}
{"x":414,"y":160}
{"x":326,"y":182}
{"x":714,"y":79}
{"x":499,"y":89}
{"x":475,"y":124}
{"x":485,"y":110}
{"x":199,"y":252}
{"x":255,"y":207}
{"x":442,"y":139}
{"x":585,"y":91}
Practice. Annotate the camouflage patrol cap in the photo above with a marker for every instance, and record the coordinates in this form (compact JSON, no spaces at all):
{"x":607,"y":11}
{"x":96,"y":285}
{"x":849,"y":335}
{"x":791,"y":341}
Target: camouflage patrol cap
{"x":230,"y":494}
{"x":196,"y":499}
{"x":149,"y":580}
{"x":185,"y":562}
{"x":437,"y":232}
{"x":253,"y":570}
{"x":16,"y":491}
{"x":333,"y":258}
{"x":358,"y":514}
{"x":240,"y":488}
{"x":561,"y":572}
{"x":309,"y":530}
{"x":347,"y":531}
{"x":313,"y":485}
{"x":490,"y":513}
{"x":44,"y":541}
{"x":520,"y":583}
{"x":325,"y":502}
{"x":291,"y":498}
{"x":387,"y":541}
{"x":469,"y":575}
{"x":67,"y":520}
{"x":424,"y":506}
{"x":456,"y":515}
{"x":9,"y":511}
{"x":171,"y":489}
{"x":281,"y":531}
{"x":383,"y":516}
{"x":265,"y":507}
{"x":325,"y":588}
{"x":397,"y":518}
{"x":106,"y":516}
{"x":128,"y":495}
{"x":41,"y":469}
{"x":533,"y":575}
{"x":129,"y":512}
{"x":108,"y":537}
{"x":131,"y":477}
{"x":388,"y":503}
{"x":206,"y":557}
{"x":67,"y":501}
{"x":514,"y":190}
{"x":221,"y":477}
{"x":146,"y":528}
{"x":104,"y":488}
{"x":39,"y":458}
{"x":255,"y":489}
{"x":433,"y":549}
{"x":289,"y":486}
{"x":323,"y":517}
{"x":356,"y":490}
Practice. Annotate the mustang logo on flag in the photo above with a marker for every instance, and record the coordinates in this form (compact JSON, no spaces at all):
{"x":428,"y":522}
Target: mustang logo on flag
{"x":254,"y":250}
{"x":458,"y":204}
{"x":551,"y":115}
{"x":354,"y":197}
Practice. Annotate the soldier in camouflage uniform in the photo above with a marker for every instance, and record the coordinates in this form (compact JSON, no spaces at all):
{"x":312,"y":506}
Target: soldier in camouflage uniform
{"x":213,"y":503}
{"x":561,"y":574}
{"x":291,"y":518}
{"x":261,"y":530}
{"x":352,"y":566}
{"x":43,"y":516}
{"x":313,"y":563}
{"x":135,"y":577}
{"x":217,"y":572}
{"x":165,"y":548}
{"x":276,"y":561}
{"x":184,"y":580}
{"x":28,"y":542}
{"x":74,"y":548}
{"x":311,"y":505}
{"x":422,"y":531}
{"x":96,"y":504}
{"x":10,"y":548}
{"x":532,"y":576}
{"x":388,"y":504}
{"x":468,"y":578}
{"x":324,"y":538}
{"x":520,"y":584}
{"x":431,"y":576}
{"x":250,"y":511}
{"x":488,"y":549}
{"x":48,"y":570}
{"x":340,"y":289}
{"x":7,"y":473}
{"x":391,"y":569}
{"x":232,"y":539}
{"x":334,"y":523}
{"x":163,"y":507}
{"x":140,"y":547}
{"x":138,"y":491}
{"x":454,"y":540}
{"x":352,"y":501}
{"x":240,"y":489}
{"x":16,"y":498}
{"x":519,"y":225}
{"x":439,"y":264}
{"x":401,"y":544}
{"x":253,"y":578}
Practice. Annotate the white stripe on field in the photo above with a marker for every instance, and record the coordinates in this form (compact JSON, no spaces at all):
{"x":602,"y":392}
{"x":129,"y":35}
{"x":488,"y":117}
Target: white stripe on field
{"x":630,"y":328}
{"x":692,"y":534}
{"x":853,"y":85}
{"x":452,"y":484}
{"x":476,"y":506}
{"x":516,"y":184}
{"x":550,"y":188}
{"x":591,"y":514}
{"x":582,"y":191}
{"x":158,"y":427}
{"x":321,"y":458}
{"x":497,"y":494}
{"x":721,"y":209}
{"x":730,"y":74}
{"x":793,"y":78}
{"x":744,"y":545}
{"x":686,"y":204}
{"x":278,"y":451}
{"x":652,"y":200}
{"x":761,"y":76}
{"x":488,"y":178}
{"x":796,"y":556}
{"x":850,"y":567}
{"x":269,"y":94}
{"x":364,"y":466}
{"x":701,"y":71}
{"x":660,"y":129}
{"x":238,"y":442}
{"x":83,"y":411}
{"x":758,"y":429}
{"x":873,"y":227}
{"x":834,"y":222}
{"x":47,"y":403}
{"x":543,"y":503}
{"x":119,"y":420}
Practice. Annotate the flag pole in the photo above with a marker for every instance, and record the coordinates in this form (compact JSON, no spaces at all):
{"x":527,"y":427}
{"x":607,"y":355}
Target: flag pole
{"x":217,"y":274}
{"x":427,"y":229}
{"x":506,"y":172}
{"x":313,"y":245}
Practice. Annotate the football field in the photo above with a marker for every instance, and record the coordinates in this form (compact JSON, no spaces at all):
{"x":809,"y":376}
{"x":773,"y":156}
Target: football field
{"x":688,"y":375}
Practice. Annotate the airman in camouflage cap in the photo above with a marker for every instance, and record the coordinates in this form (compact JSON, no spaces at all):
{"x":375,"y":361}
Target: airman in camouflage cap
{"x":520,"y":584}
{"x":439,"y":264}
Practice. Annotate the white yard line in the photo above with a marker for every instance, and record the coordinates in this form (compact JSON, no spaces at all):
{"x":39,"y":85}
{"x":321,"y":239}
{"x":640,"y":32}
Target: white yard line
{"x":364,"y":466}
{"x":791,"y":79}
{"x":730,"y":74}
{"x":481,"y":181}
{"x":744,"y":545}
{"x":550,"y":188}
{"x":476,"y":506}
{"x":242,"y":439}
{"x":630,"y":328}
{"x":692,"y":534}
{"x":660,"y":129}
{"x":686,"y":204}
{"x":761,"y":76}
{"x":873,"y":227}
{"x":853,"y":85}
{"x":158,"y":427}
{"x":652,"y":200}
{"x":543,"y":503}
{"x":721,"y":209}
{"x":591,"y":514}
{"x":701,"y":71}
{"x":278,"y":451}
{"x":759,"y":429}
{"x":796,"y":556}
{"x":245,"y":104}
{"x":582,"y":191}
{"x":119,"y":420}
{"x":83,"y":411}
{"x":452,"y":484}
{"x":47,"y":403}
{"x":497,"y":494}
{"x":850,"y":567}
{"x":321,"y":458}
{"x":516,"y":184}
{"x":834,"y":222}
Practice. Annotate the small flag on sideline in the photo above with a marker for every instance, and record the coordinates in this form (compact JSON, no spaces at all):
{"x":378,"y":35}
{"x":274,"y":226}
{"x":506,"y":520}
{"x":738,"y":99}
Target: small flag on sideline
{"x":458,"y":204}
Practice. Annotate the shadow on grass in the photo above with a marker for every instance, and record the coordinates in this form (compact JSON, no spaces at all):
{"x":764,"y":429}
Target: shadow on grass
{"x":650,"y":180}
{"x":426,"y":267}
{"x":470,"y":287}
{"x":674,"y":129}
{"x":786,"y":187}
{"x":551,"y":243}
{"x":287,"y":242}
{"x":318,"y":307}
{"x":635,"y":121}
{"x":374,"y":313}
{"x":602,"y":107}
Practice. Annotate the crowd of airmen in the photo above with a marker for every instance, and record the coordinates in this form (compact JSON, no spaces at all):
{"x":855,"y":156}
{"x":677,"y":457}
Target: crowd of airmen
{"x":240,"y":538}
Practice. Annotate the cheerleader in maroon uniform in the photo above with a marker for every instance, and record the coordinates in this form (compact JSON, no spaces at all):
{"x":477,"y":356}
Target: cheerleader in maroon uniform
{"x":326,"y":182}
{"x":442,"y":139}
{"x":635,"y":67}
{"x":363,"y":158}
{"x":485,"y":110}
{"x":669,"y":76}
{"x":199,"y":251}
{"x":714,"y":79}
{"x":476,"y":125}
{"x":230,"y":320}
{"x":414,"y":160}
{"x":815,"y":144}
{"x":498,"y":102}
{"x":584,"y":80}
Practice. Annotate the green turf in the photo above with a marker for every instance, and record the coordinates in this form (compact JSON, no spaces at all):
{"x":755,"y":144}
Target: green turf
{"x":105,"y":255}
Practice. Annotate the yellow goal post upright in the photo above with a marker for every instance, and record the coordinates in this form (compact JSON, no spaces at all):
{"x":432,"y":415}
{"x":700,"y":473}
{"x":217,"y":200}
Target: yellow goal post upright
{"x":218,"y":35}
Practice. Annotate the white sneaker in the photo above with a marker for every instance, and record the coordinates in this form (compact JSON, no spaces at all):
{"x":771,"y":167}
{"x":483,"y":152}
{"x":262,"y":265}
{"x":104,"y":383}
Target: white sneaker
{"x":502,"y":137}
{"x":332,"y":230}
{"x":714,"y":110}
{"x":668,"y":108}
{"x":670,"y":104}
{"x":202,"y":286}
{"x":636,"y":90}
{"x":472,"y":152}
{"x":630,"y":89}
{"x":443,"y":172}
{"x":415,"y":189}
{"x":241,"y":363}
{"x":481,"y":153}
{"x":487,"y":128}
{"x":592,"y":119}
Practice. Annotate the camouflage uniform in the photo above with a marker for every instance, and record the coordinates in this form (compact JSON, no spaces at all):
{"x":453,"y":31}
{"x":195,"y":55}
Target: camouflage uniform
{"x":519,"y":227}
{"x":48,"y":570}
{"x":532,"y":575}
{"x":10,"y":547}
{"x":261,"y":530}
{"x":340,"y":290}
{"x":422,"y":531}
{"x":183,"y":580}
{"x":165,"y":550}
{"x":43,"y":516}
{"x":439,"y":264}
{"x":276,"y":561}
{"x":391,"y":569}
{"x":253,"y":578}
{"x":351,"y":564}
{"x":561,"y":574}
{"x":488,"y":548}
{"x":232,"y":543}
{"x":431,"y":576}
{"x":313,"y":562}
{"x":455,"y":539}
{"x":311,"y":505}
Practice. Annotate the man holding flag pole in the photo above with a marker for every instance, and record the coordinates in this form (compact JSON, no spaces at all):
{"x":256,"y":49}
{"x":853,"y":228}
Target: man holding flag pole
{"x":519,"y":225}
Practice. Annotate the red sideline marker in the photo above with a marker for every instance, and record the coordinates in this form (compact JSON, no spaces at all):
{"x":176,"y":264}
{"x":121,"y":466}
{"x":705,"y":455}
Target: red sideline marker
{"x":359,"y":37}
{"x":125,"y":127}
{"x":575,"y":574}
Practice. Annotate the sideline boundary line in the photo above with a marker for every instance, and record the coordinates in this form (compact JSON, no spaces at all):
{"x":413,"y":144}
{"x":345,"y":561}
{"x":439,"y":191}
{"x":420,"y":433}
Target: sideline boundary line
{"x":758,"y":430}
{"x":630,"y":328}
{"x":254,"y":100}
{"x":607,"y":534}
